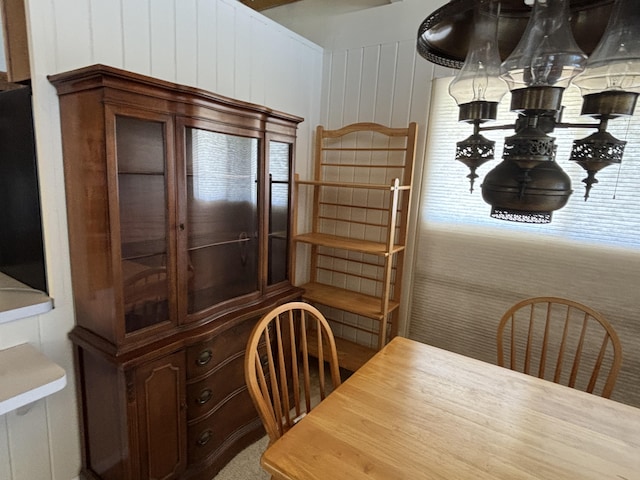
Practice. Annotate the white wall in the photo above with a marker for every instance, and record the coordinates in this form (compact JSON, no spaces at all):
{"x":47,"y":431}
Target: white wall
{"x":218,"y":45}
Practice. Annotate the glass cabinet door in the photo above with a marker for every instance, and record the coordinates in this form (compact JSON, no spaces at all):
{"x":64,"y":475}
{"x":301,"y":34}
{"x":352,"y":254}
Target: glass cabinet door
{"x":142,"y":193}
{"x":222,"y":217}
{"x":279,"y":192}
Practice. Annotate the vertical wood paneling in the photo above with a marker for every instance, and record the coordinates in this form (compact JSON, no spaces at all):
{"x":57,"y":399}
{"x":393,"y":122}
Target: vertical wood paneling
{"x":353,"y":86}
{"x":30,"y":459}
{"x":369,"y":82}
{"x":206,"y":50}
{"x":281,"y":70}
{"x":163,"y":39}
{"x":242,"y":64}
{"x":404,"y":84}
{"x":257,"y":32}
{"x":136,"y":35}
{"x":186,"y":42}
{"x":5,"y":458}
{"x":387,"y":74}
{"x":73,"y":33}
{"x":272,"y":50}
{"x":335,"y":90}
{"x":226,"y":49}
{"x":106,"y":31}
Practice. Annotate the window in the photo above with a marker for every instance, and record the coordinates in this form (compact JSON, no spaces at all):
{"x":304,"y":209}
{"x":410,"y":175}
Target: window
{"x":224,"y":166}
{"x":611,"y":215}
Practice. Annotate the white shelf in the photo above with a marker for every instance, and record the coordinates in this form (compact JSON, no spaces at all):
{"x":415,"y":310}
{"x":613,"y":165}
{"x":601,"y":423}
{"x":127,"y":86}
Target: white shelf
{"x":18,"y":300}
{"x":26,"y":375}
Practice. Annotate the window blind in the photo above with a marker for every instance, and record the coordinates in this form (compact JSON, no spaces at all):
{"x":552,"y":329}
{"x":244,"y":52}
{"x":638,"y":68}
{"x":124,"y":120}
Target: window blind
{"x":470,"y":268}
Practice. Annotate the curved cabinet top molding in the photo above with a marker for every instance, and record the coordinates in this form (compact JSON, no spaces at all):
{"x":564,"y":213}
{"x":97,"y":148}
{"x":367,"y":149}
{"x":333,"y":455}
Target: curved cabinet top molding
{"x":97,"y":76}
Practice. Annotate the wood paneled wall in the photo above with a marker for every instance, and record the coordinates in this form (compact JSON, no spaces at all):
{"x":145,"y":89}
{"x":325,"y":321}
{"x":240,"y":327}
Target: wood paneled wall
{"x":219,"y":45}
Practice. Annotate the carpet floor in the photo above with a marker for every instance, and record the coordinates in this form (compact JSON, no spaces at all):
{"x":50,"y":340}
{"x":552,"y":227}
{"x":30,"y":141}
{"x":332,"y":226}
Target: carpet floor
{"x":246,"y":465}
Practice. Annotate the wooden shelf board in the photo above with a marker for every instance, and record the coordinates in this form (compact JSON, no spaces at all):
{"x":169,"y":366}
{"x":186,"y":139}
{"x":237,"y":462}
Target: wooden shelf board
{"x":351,"y":356}
{"x":347,"y":300}
{"x":371,"y":186}
{"x":345,"y":243}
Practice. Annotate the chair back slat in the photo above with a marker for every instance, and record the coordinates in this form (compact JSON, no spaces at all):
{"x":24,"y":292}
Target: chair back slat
{"x":282,"y":374}
{"x":513,"y":355}
{"x":320,"y":350}
{"x":598,"y":366}
{"x":575,"y":343}
{"x":283,"y":381}
{"x":578,"y":354}
{"x":293,"y":352}
{"x":275,"y":391}
{"x":562,"y":346}
{"x":527,"y":352}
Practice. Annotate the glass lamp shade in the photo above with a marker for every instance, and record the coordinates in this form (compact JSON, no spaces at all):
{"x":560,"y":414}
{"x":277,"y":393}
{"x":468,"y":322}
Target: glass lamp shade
{"x":614,"y":65}
{"x":547,"y":54}
{"x":479,"y":78}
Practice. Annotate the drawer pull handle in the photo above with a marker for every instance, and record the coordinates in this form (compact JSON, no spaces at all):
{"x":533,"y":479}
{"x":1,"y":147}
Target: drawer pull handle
{"x":204,"y":357}
{"x":205,"y":396}
{"x":205,"y":437}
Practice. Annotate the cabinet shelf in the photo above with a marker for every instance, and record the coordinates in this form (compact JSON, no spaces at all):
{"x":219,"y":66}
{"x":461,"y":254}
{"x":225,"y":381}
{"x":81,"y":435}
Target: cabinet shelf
{"x":221,"y":243}
{"x":345,"y":243}
{"x":347,"y":300}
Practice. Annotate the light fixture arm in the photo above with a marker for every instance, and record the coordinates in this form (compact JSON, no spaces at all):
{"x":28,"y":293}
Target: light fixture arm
{"x":512,"y":126}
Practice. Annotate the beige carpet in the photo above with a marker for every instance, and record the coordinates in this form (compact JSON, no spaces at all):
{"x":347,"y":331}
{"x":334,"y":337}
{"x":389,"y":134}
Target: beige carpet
{"x":246,"y":465}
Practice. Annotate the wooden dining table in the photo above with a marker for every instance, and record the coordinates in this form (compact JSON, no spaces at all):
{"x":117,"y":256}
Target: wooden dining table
{"x":415,"y":411}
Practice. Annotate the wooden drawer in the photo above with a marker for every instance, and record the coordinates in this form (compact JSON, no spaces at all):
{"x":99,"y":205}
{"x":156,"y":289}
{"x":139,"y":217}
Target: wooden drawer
{"x":205,"y":356}
{"x":206,"y":394}
{"x":209,"y":435}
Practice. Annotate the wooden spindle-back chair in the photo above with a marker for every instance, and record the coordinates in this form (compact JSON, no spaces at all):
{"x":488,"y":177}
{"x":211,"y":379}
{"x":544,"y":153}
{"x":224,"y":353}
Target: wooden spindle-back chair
{"x":560,"y":340}
{"x":278,"y":366}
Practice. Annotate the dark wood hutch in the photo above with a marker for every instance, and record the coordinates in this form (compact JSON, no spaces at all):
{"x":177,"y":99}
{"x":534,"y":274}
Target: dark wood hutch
{"x":178,"y":204}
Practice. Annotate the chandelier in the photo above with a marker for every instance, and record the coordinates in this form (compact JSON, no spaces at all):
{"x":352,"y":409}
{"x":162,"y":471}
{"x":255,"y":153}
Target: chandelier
{"x":536,"y":49}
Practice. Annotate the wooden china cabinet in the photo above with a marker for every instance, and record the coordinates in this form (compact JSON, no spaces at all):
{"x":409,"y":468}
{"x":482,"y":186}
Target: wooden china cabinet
{"x":178,"y":205}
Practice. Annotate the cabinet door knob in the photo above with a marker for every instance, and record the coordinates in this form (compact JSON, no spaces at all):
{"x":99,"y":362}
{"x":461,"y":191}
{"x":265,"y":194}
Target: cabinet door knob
{"x":181,"y":226}
{"x":204,"y":437}
{"x":205,"y":396}
{"x":204,"y":357}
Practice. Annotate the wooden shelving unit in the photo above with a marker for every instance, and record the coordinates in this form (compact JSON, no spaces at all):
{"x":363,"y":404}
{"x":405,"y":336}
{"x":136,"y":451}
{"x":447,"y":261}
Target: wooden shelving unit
{"x":361,"y":196}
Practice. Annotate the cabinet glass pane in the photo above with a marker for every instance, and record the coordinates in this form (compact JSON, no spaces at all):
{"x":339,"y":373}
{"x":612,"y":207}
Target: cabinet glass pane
{"x":279,"y":187}
{"x":222,"y":217}
{"x":143,"y":221}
